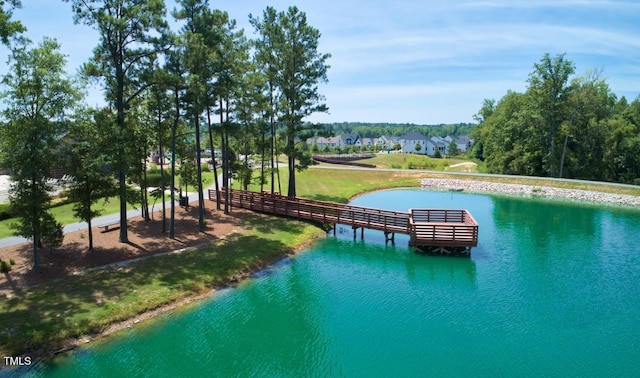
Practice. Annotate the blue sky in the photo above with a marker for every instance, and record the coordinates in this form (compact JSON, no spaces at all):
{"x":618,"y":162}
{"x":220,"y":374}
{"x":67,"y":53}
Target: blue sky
{"x":421,"y":61}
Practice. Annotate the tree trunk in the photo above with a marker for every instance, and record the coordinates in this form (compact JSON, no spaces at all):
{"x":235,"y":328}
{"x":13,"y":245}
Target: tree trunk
{"x":122,"y":162}
{"x":90,"y":234}
{"x":162,"y":185}
{"x":213,"y":160}
{"x":292,"y":168}
{"x":174,"y":127}
{"x":564,"y":151}
{"x":199,"y":173}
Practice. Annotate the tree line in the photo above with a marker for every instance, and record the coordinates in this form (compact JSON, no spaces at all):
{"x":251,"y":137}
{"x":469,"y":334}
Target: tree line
{"x":174,"y":93}
{"x":375,"y":130}
{"x":561,"y":126}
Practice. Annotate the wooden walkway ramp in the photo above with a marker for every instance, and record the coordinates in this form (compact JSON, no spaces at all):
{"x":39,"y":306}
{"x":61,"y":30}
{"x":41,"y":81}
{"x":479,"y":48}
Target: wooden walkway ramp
{"x":430,"y":230}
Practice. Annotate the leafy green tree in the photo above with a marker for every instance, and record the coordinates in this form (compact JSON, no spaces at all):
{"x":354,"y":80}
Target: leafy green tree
{"x":87,"y":148}
{"x":418,"y":147}
{"x":37,"y":98}
{"x":512,"y":143}
{"x":159,"y":104}
{"x":188,"y":174}
{"x":585,"y":131}
{"x":453,"y":148}
{"x":140,"y":133}
{"x":175,"y":69}
{"x":8,"y":27}
{"x":550,"y":92}
{"x":479,"y":133}
{"x":130,"y":32}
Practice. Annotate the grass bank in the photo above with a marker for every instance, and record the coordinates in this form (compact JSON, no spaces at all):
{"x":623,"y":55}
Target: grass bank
{"x":339,"y":185}
{"x":47,"y":316}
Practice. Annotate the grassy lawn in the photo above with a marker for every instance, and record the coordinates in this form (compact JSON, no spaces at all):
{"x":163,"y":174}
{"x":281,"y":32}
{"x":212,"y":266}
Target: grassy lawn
{"x":414,"y":161}
{"x":79,"y":305}
{"x":64,"y":213}
{"x":339,"y":185}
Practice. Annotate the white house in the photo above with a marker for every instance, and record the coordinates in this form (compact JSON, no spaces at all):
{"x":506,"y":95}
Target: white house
{"x":411,"y":141}
{"x":368,"y":142}
{"x":386,"y":142}
{"x":324,"y":142}
{"x":441,"y":144}
{"x":462,"y":142}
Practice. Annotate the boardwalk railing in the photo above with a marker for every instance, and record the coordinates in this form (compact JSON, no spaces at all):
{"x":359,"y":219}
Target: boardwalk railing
{"x":455,"y":228}
{"x":325,"y":212}
{"x":426,"y":227}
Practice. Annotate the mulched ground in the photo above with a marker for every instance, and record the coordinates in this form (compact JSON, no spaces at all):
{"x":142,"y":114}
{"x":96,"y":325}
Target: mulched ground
{"x":145,"y":239}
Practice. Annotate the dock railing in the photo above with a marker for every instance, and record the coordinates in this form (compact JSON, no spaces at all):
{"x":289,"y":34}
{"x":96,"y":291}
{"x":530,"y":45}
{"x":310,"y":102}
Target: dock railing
{"x":325,"y":212}
{"x":425,"y":227}
{"x":439,"y":227}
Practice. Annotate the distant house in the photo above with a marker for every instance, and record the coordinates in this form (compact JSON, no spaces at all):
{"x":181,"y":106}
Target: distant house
{"x":407,"y":142}
{"x":386,"y":142}
{"x":324,"y":142}
{"x":463,"y":142}
{"x":441,"y":144}
{"x":368,"y":142}
{"x":351,"y":140}
{"x":410,"y":141}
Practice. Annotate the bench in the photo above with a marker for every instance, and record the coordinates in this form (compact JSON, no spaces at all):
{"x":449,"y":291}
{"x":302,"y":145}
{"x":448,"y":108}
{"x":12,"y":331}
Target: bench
{"x":110,"y":227}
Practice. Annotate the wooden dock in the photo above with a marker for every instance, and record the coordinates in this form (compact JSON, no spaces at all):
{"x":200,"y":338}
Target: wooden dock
{"x":440,"y":231}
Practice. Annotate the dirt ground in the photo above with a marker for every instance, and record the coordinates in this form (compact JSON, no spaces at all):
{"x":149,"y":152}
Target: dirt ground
{"x":145,"y":239}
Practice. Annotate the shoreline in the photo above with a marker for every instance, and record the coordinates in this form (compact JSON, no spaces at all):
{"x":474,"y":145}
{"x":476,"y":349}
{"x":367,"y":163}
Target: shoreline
{"x":70,"y":344}
{"x":577,"y":195}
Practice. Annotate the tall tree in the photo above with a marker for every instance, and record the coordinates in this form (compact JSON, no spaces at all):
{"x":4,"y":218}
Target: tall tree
{"x":584,"y":133}
{"x":38,"y":99}
{"x":175,"y":80}
{"x":159,"y":104}
{"x":230,"y":68}
{"x":267,"y":61}
{"x":195,"y":14}
{"x":550,"y":89}
{"x":87,"y":149}
{"x":129,"y":38}
{"x":300,"y":68}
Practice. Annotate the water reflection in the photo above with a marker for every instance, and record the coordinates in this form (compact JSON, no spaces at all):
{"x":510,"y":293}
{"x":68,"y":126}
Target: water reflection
{"x":399,"y":258}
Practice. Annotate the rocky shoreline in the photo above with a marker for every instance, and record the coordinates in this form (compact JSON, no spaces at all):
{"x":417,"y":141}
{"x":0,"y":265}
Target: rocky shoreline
{"x":530,"y":190}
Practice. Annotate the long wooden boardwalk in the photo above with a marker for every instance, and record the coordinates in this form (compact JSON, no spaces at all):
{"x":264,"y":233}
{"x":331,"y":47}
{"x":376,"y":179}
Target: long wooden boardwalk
{"x":430,"y":230}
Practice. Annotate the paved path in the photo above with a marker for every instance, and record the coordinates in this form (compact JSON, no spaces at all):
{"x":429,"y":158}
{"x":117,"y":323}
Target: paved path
{"x":102,"y":220}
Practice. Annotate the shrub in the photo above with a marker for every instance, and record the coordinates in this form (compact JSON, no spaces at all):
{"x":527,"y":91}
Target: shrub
{"x":6,"y":211}
{"x":6,"y":266}
{"x":52,"y":234}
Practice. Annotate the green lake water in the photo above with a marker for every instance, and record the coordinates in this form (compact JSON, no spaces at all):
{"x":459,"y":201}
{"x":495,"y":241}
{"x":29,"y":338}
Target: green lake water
{"x":553,"y":289}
